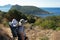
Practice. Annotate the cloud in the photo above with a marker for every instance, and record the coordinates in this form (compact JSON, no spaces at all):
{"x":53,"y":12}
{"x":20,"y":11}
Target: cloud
{"x":38,"y":3}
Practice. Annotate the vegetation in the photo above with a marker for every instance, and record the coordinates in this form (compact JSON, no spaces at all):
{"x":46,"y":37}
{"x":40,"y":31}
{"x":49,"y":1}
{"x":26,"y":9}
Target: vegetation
{"x":14,"y":14}
{"x":29,"y":9}
{"x":17,"y":15}
{"x":1,"y":16}
{"x":50,"y":22}
{"x":45,"y":38}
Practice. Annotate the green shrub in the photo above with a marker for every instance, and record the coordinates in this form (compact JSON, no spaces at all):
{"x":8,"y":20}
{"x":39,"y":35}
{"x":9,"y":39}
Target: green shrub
{"x":58,"y":28}
{"x":0,"y":19}
{"x":31,"y":19}
{"x":15,"y":14}
{"x":48,"y":24}
{"x":38,"y":22}
{"x":44,"y":38}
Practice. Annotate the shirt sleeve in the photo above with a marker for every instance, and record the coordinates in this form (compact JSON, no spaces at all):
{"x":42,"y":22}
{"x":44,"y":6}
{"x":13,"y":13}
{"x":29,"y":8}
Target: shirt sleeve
{"x":10,"y":23}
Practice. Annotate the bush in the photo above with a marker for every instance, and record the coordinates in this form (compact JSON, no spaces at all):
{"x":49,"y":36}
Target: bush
{"x":38,"y":22}
{"x":0,"y":19}
{"x":15,"y":14}
{"x":48,"y":24}
{"x":58,"y":28}
{"x":31,"y":19}
{"x":44,"y":38}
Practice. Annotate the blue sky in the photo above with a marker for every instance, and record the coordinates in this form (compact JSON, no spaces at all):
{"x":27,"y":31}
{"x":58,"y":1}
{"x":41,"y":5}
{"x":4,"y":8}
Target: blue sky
{"x":38,"y":3}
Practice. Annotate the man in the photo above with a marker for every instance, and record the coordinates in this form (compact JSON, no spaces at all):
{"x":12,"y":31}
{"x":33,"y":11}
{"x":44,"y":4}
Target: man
{"x":14,"y":26}
{"x":18,"y":29}
{"x":21,"y":32}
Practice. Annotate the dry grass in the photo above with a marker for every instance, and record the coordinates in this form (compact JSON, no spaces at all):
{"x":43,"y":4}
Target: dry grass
{"x":55,"y":35}
{"x":36,"y":33}
{"x":4,"y":34}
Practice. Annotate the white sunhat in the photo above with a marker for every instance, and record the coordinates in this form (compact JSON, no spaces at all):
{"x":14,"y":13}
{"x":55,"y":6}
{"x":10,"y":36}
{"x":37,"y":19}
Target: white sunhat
{"x":14,"y":22}
{"x":22,"y":21}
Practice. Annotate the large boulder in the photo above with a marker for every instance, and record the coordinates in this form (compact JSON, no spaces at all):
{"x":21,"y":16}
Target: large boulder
{"x":4,"y":35}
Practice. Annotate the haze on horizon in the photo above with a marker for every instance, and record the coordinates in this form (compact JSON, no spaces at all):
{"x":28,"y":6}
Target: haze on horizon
{"x":38,"y":3}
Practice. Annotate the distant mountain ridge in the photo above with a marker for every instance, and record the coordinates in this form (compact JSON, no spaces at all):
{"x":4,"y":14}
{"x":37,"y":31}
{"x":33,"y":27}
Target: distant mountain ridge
{"x":5,"y":8}
{"x":37,"y":11}
{"x":24,"y":9}
{"x":29,"y":9}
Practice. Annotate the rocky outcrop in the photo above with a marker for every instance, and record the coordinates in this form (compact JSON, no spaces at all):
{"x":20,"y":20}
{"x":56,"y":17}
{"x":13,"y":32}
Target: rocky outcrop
{"x":4,"y":35}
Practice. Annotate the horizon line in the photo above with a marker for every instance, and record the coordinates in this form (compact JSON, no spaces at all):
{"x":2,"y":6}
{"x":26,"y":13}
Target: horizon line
{"x":33,"y":5}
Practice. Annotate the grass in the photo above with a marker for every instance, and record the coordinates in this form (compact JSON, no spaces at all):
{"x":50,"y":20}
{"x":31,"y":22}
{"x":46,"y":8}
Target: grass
{"x":44,"y":38}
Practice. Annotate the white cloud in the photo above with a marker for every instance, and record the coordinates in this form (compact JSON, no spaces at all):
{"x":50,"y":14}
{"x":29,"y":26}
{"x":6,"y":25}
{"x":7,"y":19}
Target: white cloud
{"x":38,"y":3}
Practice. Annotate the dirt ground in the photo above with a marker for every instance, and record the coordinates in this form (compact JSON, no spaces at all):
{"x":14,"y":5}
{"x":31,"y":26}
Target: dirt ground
{"x":36,"y":33}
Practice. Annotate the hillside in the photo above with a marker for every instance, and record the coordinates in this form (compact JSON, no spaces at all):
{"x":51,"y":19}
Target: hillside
{"x":24,"y":9}
{"x":35,"y":34}
{"x":29,"y":9}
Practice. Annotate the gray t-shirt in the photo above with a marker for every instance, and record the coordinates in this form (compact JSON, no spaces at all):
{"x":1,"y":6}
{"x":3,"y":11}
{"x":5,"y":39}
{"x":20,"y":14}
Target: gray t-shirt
{"x":21,"y":29}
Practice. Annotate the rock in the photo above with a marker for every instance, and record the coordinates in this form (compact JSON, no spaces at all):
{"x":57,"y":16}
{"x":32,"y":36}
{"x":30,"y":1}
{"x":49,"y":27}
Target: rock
{"x":55,"y":35}
{"x":4,"y":35}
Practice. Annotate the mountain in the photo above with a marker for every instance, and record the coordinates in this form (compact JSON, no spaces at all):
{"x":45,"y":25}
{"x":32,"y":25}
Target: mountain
{"x":24,"y":9}
{"x":5,"y":8}
{"x":54,"y":11}
{"x":29,"y":9}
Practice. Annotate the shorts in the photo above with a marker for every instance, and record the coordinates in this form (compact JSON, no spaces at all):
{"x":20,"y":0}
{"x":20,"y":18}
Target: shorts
{"x":14,"y":31}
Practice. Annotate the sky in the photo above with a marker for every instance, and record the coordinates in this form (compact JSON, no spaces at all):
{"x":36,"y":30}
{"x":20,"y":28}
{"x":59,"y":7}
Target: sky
{"x":38,"y":3}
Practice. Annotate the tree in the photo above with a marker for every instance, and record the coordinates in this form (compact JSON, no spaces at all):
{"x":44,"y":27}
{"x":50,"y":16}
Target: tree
{"x":15,"y":14}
